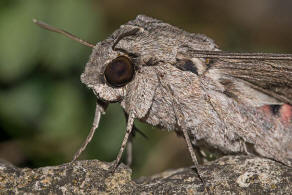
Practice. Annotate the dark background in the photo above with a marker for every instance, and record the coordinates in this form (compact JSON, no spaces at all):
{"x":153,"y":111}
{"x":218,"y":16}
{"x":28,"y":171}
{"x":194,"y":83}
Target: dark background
{"x":45,"y":111}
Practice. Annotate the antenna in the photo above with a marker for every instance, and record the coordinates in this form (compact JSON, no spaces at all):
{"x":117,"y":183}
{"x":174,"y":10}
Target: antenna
{"x":63,"y":32}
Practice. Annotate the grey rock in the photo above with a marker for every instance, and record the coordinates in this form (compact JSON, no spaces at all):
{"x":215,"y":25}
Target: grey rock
{"x":227,"y":175}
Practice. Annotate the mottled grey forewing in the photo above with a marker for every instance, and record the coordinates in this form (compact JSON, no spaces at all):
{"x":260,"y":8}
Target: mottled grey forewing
{"x":271,"y":77}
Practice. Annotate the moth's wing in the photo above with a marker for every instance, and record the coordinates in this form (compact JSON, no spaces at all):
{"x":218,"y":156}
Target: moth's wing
{"x":269,"y":81}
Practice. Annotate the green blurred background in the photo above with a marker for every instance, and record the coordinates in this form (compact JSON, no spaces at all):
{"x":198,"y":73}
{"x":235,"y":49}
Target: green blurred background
{"x":45,"y":111}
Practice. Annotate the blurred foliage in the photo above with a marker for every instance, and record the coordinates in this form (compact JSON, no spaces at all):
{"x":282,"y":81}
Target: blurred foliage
{"x":42,"y":101}
{"x":45,"y":111}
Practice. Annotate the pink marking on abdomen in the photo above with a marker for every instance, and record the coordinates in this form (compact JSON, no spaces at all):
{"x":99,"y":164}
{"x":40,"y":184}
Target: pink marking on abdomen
{"x":285,"y":113}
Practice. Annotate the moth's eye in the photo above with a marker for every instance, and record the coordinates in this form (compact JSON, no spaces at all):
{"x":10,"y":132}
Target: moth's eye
{"x":119,"y":72}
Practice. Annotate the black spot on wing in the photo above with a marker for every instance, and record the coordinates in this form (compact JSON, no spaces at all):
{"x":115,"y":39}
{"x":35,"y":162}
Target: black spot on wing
{"x":275,"y":109}
{"x":187,"y":65}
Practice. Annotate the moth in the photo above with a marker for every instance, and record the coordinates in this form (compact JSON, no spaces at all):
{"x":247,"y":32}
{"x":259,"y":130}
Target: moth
{"x":183,"y":82}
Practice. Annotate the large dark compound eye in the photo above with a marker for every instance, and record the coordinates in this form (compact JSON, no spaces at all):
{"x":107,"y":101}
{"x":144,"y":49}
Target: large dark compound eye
{"x":119,"y":72}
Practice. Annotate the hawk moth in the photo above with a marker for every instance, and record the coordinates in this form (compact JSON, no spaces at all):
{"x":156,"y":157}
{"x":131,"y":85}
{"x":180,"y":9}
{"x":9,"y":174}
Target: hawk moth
{"x":183,"y":82}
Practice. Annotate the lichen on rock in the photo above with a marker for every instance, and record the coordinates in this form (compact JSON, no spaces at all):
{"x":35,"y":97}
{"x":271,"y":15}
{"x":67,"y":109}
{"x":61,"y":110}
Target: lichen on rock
{"x":229,"y":174}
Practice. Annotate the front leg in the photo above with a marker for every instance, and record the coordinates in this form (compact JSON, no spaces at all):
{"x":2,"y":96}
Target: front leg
{"x":100,"y":108}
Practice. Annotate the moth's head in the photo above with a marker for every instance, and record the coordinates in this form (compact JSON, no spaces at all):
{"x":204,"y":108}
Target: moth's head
{"x":115,"y":62}
{"x":108,"y":72}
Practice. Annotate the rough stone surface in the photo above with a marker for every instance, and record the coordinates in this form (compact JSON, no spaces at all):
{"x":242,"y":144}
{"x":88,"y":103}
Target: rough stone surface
{"x":227,"y":175}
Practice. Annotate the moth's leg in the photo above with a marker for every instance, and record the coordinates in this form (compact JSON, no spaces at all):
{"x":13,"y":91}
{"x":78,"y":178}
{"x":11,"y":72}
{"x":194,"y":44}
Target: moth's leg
{"x":181,"y":122}
{"x":130,"y":142}
{"x":188,"y":142}
{"x":99,"y":109}
{"x":197,"y":150}
{"x":130,"y":124}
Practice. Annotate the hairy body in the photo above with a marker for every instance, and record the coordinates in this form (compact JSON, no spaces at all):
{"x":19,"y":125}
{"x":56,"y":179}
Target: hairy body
{"x":215,"y":100}
{"x":182,"y":82}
